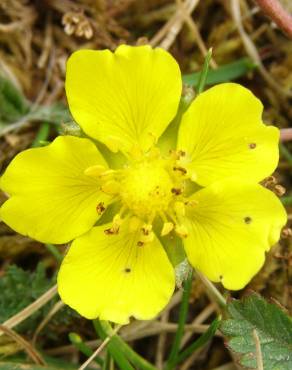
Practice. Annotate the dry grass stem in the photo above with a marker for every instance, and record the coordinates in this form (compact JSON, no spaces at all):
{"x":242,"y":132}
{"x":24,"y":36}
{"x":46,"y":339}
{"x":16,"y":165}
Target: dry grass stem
{"x":252,"y":50}
{"x":29,"y":310}
{"x":32,"y":353}
{"x":45,"y":321}
{"x":99,"y":349}
{"x":259,"y":357}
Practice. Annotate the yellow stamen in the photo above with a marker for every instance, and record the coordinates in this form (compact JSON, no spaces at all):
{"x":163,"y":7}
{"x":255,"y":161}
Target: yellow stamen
{"x":111,"y":187}
{"x":147,"y":238}
{"x":167,"y":228}
{"x":179,"y":208}
{"x":94,"y":171}
{"x":181,"y":231}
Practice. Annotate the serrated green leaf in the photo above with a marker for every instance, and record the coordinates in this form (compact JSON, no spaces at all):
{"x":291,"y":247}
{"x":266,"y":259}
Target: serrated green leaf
{"x":19,"y":288}
{"x":13,"y":104}
{"x":57,"y":113}
{"x":273,"y":327}
{"x":225,"y":73}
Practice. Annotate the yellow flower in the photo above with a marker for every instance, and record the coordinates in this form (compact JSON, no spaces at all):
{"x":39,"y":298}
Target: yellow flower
{"x":204,"y":189}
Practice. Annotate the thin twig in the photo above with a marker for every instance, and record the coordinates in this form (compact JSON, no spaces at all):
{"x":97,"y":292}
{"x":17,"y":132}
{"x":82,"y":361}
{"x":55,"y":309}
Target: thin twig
{"x":202,"y":317}
{"x":161,"y":343}
{"x":214,"y":292}
{"x":194,"y":29}
{"x":99,"y":349}
{"x":275,"y":10}
{"x":252,"y":50}
{"x":259,"y":357}
{"x":168,"y":33}
{"x":33,"y":354}
{"x":29,"y":310}
{"x":45,"y":321}
{"x":286,"y":134}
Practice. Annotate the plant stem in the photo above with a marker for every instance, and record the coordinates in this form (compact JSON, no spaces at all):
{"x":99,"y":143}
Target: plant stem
{"x":55,"y":252}
{"x":275,"y":10}
{"x":218,"y":297}
{"x":181,"y":324}
{"x":42,"y":134}
{"x":204,"y":73}
{"x":138,"y":361}
{"x":285,"y":153}
{"x":202,"y":340}
{"x":76,"y":340}
{"x":114,"y":350}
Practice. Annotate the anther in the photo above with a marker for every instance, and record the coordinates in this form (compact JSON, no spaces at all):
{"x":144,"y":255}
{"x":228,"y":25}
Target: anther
{"x":109,"y":231}
{"x":279,"y":190}
{"x":181,"y":231}
{"x":181,"y":153}
{"x":94,"y":171}
{"x":147,"y":238}
{"x":182,"y":170}
{"x":167,"y":228}
{"x":100,"y":208}
{"x":146,"y":229}
{"x":111,"y":187}
{"x":191,"y":203}
{"x":176,"y":191}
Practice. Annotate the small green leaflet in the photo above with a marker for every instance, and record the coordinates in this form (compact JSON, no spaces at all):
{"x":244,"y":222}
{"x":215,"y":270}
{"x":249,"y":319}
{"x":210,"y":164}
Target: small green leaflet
{"x":274,"y":329}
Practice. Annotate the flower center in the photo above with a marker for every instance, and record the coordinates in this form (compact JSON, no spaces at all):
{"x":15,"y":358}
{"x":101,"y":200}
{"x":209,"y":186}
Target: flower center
{"x":147,"y":188}
{"x":150,"y":186}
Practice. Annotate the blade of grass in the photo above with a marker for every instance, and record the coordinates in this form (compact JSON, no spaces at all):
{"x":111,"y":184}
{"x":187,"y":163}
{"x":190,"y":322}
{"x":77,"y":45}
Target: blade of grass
{"x":200,"y":342}
{"x":225,"y":73}
{"x":203,"y":75}
{"x":170,"y":364}
{"x":138,"y":361}
{"x":113,"y":348}
{"x":55,"y":252}
{"x":76,"y":340}
{"x":42,"y":134}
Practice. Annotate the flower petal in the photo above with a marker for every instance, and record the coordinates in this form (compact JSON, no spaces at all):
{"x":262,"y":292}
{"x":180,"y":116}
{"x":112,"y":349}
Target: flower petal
{"x":51,"y":200}
{"x":230,"y":228}
{"x":223,"y":135}
{"x":126,"y":98}
{"x":111,"y":277}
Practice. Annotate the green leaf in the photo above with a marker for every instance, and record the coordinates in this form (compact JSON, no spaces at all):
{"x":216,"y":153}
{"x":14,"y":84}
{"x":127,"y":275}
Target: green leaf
{"x":225,"y":73}
{"x":19,"y":288}
{"x":13,"y":104}
{"x":204,"y":73}
{"x":274,"y":329}
{"x":57,"y":113}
